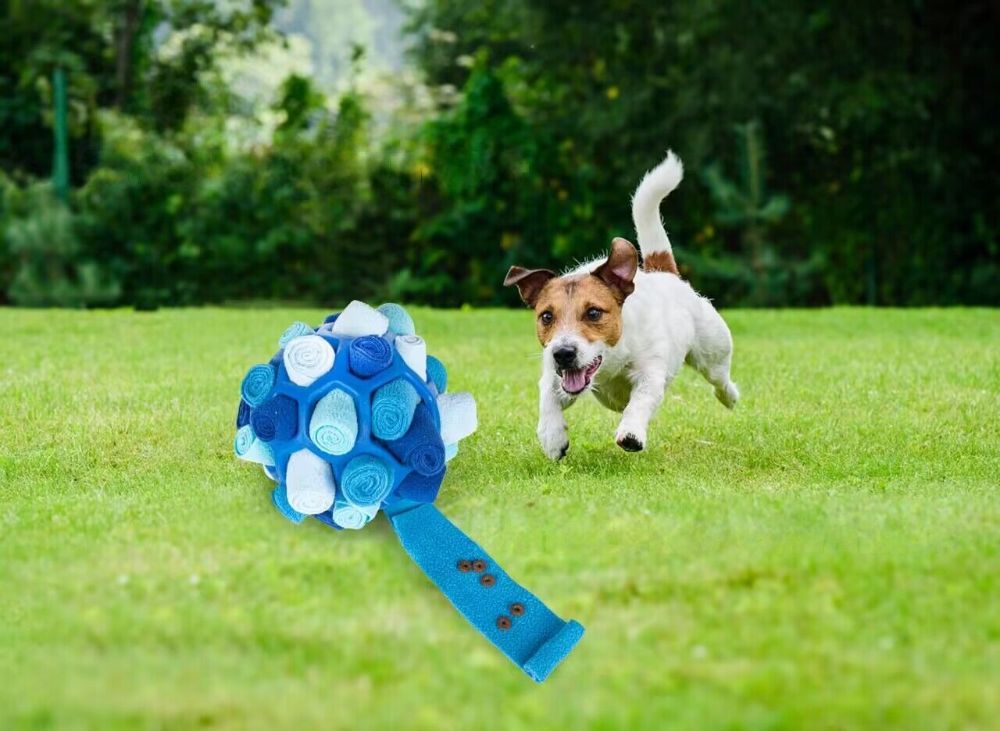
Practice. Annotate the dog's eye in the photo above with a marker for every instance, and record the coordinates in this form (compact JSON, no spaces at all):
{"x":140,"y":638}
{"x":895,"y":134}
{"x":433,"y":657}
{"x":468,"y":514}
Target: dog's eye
{"x":594,"y":314}
{"x":546,"y":318}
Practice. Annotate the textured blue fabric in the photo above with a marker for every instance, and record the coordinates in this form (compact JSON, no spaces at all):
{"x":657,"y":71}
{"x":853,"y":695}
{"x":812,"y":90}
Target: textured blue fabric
{"x":366,"y":480}
{"x":400,"y":322}
{"x":368,"y":355}
{"x":333,"y":426}
{"x":421,"y":447}
{"x":257,"y":384}
{"x":331,"y":318}
{"x":536,"y":641}
{"x":392,"y":409}
{"x":280,"y":499}
{"x":276,"y":418}
{"x":420,"y":488}
{"x":437,"y":374}
{"x":296,"y":329}
{"x":243,"y":415}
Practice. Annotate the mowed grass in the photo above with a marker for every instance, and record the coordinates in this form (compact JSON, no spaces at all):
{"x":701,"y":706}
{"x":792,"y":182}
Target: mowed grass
{"x":825,"y":557}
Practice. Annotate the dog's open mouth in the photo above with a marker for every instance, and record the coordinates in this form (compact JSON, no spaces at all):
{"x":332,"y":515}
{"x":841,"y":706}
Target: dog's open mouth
{"x":575,"y":380}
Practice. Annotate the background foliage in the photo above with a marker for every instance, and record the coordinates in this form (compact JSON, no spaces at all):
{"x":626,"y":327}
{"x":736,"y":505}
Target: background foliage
{"x":835,"y":153}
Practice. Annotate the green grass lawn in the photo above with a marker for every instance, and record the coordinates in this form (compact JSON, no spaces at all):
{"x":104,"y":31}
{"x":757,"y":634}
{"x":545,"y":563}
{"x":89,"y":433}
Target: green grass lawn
{"x":826,"y":556}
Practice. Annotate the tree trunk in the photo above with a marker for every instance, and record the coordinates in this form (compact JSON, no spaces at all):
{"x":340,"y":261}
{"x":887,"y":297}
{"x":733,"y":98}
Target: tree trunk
{"x":124,"y":45}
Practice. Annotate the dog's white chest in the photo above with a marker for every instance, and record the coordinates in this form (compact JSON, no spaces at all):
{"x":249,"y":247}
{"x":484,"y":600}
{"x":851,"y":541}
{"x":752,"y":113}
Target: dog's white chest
{"x":612,"y":391}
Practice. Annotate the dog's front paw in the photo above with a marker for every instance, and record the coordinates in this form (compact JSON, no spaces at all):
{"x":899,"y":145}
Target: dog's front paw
{"x":554,"y":440}
{"x":631,"y":439}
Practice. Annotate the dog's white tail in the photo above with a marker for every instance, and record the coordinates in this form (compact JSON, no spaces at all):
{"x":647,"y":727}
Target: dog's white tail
{"x":657,"y":254}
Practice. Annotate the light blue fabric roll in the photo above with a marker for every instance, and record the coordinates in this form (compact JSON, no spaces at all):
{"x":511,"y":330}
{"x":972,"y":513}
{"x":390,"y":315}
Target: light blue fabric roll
{"x":366,"y":481}
{"x":392,"y":409}
{"x":450,"y":452}
{"x":400,"y":322}
{"x":437,"y":374}
{"x":334,"y":423}
{"x":247,"y":446}
{"x":350,"y":516}
{"x":257,"y":384}
{"x":296,"y":329}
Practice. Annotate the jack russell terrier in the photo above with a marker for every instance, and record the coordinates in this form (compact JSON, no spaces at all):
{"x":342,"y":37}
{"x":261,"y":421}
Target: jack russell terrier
{"x":623,"y":332}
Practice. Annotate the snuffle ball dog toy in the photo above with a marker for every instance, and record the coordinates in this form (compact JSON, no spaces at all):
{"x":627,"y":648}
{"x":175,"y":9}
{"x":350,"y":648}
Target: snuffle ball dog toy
{"x":353,"y":418}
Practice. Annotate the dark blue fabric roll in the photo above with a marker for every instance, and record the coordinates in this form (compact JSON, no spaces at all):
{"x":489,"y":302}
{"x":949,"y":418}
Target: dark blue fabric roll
{"x":421,"y":447}
{"x":278,"y":357}
{"x":276,"y":418}
{"x":243,"y":415}
{"x":368,"y":355}
{"x":421,"y":488}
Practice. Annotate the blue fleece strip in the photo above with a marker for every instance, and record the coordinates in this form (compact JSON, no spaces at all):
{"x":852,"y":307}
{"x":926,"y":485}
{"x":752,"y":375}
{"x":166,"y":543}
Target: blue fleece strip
{"x":276,"y":418}
{"x":400,"y":322}
{"x":421,"y":447}
{"x":243,"y":415}
{"x":366,"y":481}
{"x":333,"y":426}
{"x":392,"y":408}
{"x":295,"y":330}
{"x":280,"y":499}
{"x":420,"y":488}
{"x":368,"y":355}
{"x":437,"y":374}
{"x":536,"y":641}
{"x":257,"y":384}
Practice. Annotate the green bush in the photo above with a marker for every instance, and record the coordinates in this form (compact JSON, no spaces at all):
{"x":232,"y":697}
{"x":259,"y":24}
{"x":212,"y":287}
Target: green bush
{"x":50,"y":267}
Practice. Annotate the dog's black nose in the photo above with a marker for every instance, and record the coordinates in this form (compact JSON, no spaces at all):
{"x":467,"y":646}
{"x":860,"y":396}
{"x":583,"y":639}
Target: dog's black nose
{"x":565,"y":357}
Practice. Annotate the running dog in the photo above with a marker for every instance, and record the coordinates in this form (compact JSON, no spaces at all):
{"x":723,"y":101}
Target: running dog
{"x":621,"y":331}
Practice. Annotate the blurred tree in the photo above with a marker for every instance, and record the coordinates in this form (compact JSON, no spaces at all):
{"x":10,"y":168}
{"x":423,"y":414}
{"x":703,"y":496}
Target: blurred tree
{"x":40,"y":35}
{"x":883,"y":137}
{"x":746,"y":206}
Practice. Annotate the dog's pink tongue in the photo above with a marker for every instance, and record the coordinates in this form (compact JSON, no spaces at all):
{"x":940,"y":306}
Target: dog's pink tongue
{"x":575,"y":380}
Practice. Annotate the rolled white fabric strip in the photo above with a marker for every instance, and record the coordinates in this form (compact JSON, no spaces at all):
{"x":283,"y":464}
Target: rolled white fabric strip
{"x":458,"y":416}
{"x":348,"y":515}
{"x":307,"y":358}
{"x":413,"y":350}
{"x":309,"y":483}
{"x":359,"y":319}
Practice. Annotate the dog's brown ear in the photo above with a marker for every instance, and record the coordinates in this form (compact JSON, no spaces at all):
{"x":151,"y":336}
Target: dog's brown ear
{"x":618,"y":272}
{"x":529,"y":282}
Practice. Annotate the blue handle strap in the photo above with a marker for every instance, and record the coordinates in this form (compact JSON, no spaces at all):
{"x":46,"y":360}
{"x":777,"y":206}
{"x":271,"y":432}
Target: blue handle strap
{"x":507,"y":614}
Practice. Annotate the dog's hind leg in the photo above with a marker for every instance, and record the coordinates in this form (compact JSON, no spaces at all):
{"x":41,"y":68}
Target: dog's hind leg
{"x":714,"y":364}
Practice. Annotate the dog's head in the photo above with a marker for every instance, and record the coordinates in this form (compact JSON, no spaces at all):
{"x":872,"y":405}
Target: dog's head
{"x":578,"y":316}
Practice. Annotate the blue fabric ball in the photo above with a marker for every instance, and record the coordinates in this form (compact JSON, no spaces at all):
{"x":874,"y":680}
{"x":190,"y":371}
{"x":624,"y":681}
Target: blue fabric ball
{"x":344,"y":465}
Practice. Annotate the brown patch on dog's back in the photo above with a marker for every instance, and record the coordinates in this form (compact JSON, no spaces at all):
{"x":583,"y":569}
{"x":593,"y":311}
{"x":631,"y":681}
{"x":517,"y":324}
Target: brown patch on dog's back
{"x":570,"y":299}
{"x":660,"y":261}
